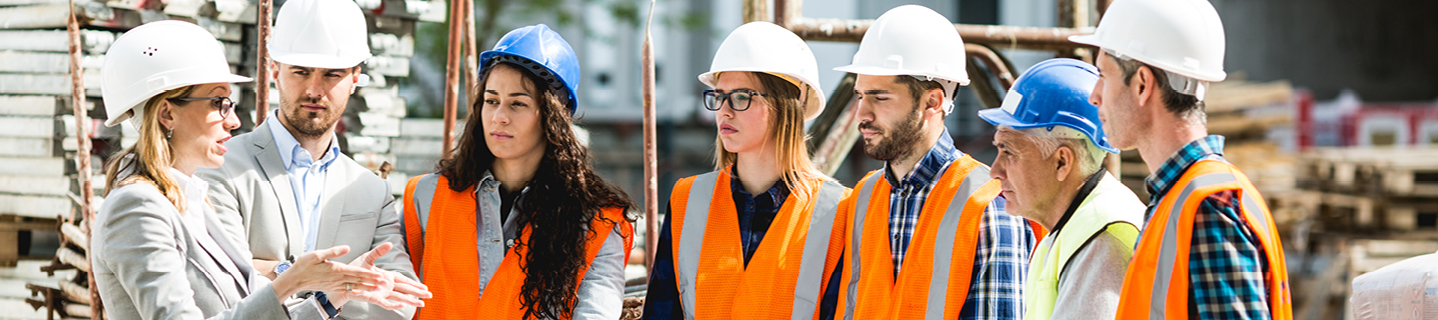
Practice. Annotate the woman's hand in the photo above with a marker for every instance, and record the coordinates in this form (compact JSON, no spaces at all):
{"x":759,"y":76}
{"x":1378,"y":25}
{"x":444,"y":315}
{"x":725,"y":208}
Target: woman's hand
{"x":313,"y":271}
{"x":397,"y":291}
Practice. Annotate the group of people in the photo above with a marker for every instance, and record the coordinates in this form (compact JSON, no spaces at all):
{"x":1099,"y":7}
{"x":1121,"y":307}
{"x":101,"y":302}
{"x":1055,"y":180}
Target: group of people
{"x":515,"y":224}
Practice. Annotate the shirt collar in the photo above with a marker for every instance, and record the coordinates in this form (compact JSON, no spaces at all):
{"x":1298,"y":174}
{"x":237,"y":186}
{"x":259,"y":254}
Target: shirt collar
{"x":776,"y":193}
{"x":194,"y":188}
{"x":290,"y":149}
{"x":930,"y":166}
{"x":1173,"y":168}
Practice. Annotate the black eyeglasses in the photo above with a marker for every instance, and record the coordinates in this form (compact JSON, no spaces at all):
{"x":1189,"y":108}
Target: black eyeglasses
{"x":738,"y":100}
{"x":224,"y":104}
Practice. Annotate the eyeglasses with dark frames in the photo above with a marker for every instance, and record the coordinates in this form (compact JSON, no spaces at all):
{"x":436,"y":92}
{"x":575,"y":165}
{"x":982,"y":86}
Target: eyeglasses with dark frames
{"x":224,"y":104}
{"x":738,"y":100}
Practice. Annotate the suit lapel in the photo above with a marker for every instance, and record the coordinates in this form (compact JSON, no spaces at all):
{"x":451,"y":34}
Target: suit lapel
{"x":210,"y":250}
{"x":333,"y":204}
{"x":267,"y":155}
{"x":239,"y":261}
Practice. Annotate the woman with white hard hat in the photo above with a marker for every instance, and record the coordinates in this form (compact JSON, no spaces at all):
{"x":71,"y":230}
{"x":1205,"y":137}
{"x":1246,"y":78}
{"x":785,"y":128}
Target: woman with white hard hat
{"x":753,"y":236}
{"x":517,"y":225}
{"x":157,"y":249}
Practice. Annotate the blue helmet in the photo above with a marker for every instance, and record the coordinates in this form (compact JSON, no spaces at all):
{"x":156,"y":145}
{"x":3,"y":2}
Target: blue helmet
{"x":1054,"y":92}
{"x":542,"y":52}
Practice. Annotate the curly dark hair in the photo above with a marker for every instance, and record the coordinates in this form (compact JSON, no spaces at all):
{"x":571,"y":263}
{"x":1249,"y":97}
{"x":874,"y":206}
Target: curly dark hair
{"x":564,"y":196}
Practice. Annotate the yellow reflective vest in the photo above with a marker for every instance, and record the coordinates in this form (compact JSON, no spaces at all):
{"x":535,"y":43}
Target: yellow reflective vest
{"x":1110,"y":207}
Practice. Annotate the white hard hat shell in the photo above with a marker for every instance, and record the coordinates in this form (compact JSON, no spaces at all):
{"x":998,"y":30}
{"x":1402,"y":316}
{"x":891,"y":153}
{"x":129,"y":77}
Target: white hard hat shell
{"x":1185,"y":37}
{"x":157,"y":57}
{"x":329,"y":34}
{"x":765,"y":47}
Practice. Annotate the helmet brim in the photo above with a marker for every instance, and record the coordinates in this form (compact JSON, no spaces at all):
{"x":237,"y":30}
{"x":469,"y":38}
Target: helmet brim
{"x":318,"y":60}
{"x":999,"y":117}
{"x":116,"y":118}
{"x":881,"y":71}
{"x":813,"y":103}
{"x":1094,"y":40}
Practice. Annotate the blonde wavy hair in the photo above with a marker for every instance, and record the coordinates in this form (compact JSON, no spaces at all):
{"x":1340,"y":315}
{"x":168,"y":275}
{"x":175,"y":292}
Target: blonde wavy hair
{"x":786,"y":124}
{"x":149,"y":160}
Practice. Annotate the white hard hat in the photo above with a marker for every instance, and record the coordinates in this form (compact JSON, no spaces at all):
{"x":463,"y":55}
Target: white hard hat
{"x":1184,"y":37}
{"x":157,"y":57}
{"x":765,"y":47}
{"x":327,"y":34}
{"x":916,"y":41}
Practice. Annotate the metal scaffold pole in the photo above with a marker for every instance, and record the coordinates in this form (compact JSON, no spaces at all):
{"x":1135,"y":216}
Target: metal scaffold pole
{"x":651,"y":159}
{"x":82,"y":152}
{"x":262,"y":66}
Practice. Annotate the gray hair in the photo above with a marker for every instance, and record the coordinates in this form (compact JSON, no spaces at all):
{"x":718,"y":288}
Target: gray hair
{"x":1088,"y":156}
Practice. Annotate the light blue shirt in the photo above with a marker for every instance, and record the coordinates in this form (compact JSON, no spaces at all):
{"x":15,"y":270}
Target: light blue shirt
{"x":307,"y":176}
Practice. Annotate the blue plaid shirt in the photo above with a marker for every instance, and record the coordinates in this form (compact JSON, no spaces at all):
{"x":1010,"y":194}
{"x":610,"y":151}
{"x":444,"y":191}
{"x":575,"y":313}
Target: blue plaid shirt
{"x":1002,"y":254}
{"x":1226,"y":261}
{"x":756,"y":213}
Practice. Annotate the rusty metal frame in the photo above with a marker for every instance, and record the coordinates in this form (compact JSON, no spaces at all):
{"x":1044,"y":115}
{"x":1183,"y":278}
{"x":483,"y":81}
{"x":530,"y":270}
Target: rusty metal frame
{"x":651,"y":158}
{"x":457,"y":9}
{"x":787,"y":14}
{"x":262,"y":59}
{"x":82,"y":152}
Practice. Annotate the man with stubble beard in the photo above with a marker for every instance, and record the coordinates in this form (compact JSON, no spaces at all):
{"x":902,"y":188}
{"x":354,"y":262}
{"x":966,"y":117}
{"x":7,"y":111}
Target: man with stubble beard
{"x":928,"y":237}
{"x":289,"y":190}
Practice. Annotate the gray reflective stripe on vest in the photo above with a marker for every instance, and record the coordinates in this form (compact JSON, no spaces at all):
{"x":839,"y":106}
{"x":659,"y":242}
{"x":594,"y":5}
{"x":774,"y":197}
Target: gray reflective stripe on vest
{"x":816,"y":249}
{"x":1168,"y":247}
{"x":857,"y":229}
{"x":423,"y":195}
{"x":691,"y":242}
{"x":816,"y":244}
{"x":944,"y":241}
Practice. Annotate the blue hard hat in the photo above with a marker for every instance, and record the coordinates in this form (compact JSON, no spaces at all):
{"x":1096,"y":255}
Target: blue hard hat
{"x":1054,"y":92}
{"x":542,"y":52}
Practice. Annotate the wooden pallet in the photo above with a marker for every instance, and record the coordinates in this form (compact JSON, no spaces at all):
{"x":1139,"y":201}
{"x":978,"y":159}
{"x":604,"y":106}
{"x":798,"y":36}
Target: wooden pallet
{"x":1402,"y":172}
{"x":10,"y":228}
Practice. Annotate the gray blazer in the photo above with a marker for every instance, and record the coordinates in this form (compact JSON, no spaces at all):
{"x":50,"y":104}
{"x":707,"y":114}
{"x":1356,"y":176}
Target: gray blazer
{"x":149,"y":265}
{"x":254,"y":201}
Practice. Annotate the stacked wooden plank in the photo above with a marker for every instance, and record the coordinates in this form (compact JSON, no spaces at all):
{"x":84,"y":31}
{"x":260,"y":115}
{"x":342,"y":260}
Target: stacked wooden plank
{"x":68,"y":298}
{"x":373,"y":118}
{"x":37,"y":128}
{"x":13,"y":291}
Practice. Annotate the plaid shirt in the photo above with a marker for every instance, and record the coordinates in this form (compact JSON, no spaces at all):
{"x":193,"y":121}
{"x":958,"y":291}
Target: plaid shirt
{"x":1226,"y":261}
{"x":756,"y":214}
{"x":1002,"y":255}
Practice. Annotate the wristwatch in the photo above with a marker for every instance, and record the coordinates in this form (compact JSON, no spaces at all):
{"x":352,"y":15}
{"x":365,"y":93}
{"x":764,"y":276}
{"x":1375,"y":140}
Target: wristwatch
{"x":329,"y":308}
{"x":284,"y":265}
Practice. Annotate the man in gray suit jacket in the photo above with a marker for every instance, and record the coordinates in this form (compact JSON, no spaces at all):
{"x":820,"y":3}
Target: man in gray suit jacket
{"x":285,"y":188}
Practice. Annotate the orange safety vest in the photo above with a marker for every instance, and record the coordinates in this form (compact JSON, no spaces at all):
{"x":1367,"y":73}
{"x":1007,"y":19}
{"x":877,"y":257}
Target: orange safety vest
{"x":939,"y":264}
{"x":709,"y":268}
{"x":1157,"y":283}
{"x":451,"y":265}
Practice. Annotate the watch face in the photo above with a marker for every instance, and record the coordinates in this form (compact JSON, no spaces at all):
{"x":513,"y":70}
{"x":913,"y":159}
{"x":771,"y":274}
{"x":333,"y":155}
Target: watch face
{"x":280,"y":268}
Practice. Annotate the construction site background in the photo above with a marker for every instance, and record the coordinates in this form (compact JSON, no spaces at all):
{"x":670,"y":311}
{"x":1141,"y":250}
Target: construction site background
{"x":1330,"y":107}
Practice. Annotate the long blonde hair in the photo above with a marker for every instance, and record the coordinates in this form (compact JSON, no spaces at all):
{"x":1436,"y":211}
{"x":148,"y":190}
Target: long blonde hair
{"x":786,"y":123}
{"x":149,"y":160}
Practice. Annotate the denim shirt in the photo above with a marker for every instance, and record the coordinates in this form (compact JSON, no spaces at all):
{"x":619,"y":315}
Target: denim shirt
{"x":601,"y":292}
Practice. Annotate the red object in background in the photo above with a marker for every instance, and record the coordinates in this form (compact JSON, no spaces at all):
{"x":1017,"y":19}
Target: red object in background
{"x":1363,"y":124}
{"x":1305,"y":119}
